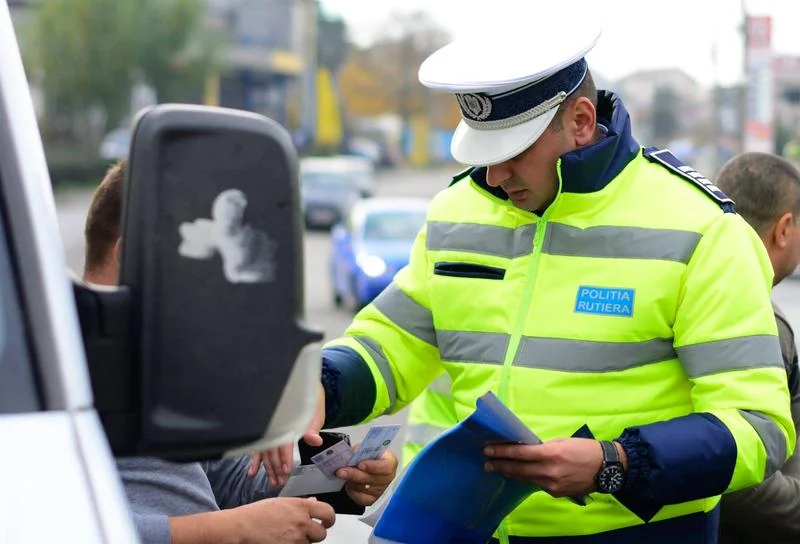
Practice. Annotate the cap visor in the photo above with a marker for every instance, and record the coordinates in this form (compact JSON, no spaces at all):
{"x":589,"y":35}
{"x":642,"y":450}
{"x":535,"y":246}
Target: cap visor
{"x":475,"y":147}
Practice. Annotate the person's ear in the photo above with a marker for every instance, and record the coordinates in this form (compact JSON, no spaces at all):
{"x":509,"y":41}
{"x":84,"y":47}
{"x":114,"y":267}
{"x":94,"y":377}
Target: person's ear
{"x":781,"y":231}
{"x":583,"y":121}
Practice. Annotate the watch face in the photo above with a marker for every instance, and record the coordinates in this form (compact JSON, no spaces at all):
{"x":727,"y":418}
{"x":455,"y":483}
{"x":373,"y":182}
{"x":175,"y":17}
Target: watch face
{"x":610,"y":479}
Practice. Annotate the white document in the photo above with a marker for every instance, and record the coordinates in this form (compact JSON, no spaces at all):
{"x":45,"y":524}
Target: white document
{"x":310,"y":480}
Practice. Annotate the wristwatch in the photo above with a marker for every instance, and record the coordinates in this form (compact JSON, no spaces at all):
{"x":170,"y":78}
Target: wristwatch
{"x":611,"y":475}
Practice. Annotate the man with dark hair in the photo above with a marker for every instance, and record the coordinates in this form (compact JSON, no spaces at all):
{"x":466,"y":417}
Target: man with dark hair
{"x":766,"y":189}
{"x":218,"y":501}
{"x":102,"y":230}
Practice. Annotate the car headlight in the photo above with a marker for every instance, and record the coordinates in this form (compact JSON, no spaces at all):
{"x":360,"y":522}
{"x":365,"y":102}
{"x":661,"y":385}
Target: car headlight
{"x":372,"y":265}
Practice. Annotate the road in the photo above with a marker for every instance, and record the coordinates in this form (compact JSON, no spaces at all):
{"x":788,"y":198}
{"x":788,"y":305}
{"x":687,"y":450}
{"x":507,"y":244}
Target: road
{"x":320,"y":309}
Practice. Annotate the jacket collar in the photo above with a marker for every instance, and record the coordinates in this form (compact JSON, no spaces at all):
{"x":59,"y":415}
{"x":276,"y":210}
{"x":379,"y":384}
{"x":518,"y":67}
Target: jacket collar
{"x":592,"y":167}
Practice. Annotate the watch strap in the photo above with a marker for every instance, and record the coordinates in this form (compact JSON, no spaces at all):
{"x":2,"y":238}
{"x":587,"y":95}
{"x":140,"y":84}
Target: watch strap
{"x":610,"y":454}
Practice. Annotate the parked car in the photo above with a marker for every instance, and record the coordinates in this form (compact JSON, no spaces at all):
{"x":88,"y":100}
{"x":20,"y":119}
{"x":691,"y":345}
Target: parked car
{"x":372,"y":245}
{"x":359,"y":171}
{"x":327,"y":197}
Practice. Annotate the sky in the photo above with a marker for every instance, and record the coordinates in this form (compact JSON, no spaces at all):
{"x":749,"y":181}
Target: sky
{"x":637,"y":34}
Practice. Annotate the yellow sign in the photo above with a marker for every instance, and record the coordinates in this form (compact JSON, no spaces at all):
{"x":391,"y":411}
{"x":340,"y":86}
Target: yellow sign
{"x":286,"y":62}
{"x":329,"y":117}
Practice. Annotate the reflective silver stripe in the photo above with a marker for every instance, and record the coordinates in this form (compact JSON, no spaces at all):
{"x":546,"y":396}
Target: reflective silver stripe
{"x":621,"y":242}
{"x":422,"y":433}
{"x":605,"y":241}
{"x":734,"y":354}
{"x":473,"y":347}
{"x":406,"y":313}
{"x":589,"y":356}
{"x":553,"y":353}
{"x":771,"y":436}
{"x":376,"y":352}
{"x":484,"y":239}
{"x":443,"y":385}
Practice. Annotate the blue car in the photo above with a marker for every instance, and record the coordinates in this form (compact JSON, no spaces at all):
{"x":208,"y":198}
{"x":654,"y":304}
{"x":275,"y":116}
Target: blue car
{"x":371,"y":245}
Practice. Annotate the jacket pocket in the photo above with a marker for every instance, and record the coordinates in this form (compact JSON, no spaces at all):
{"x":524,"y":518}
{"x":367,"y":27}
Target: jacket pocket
{"x":469,"y":270}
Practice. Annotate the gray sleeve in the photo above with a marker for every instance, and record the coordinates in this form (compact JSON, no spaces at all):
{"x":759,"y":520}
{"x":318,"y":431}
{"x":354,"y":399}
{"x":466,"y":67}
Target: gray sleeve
{"x":152,"y":528}
{"x":232,"y":487}
{"x":768,"y":510}
{"x":789,"y":353}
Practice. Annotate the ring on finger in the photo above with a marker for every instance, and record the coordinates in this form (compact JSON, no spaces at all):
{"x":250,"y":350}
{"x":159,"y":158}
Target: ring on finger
{"x":366,"y":487}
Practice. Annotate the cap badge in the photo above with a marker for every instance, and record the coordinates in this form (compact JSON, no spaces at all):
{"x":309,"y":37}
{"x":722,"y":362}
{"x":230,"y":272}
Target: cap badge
{"x":475,"y":106}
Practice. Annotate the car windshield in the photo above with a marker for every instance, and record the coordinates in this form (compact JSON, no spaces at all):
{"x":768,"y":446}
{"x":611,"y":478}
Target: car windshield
{"x":326,"y":181}
{"x":393,"y":225}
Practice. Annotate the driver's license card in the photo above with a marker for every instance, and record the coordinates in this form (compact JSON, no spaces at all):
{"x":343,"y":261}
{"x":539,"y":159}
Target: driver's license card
{"x":375,"y":443}
{"x":333,"y":458}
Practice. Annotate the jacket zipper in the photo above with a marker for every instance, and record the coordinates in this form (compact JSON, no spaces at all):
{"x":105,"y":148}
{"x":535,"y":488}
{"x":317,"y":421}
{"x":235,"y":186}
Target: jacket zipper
{"x":524,"y":306}
{"x":522,"y":313}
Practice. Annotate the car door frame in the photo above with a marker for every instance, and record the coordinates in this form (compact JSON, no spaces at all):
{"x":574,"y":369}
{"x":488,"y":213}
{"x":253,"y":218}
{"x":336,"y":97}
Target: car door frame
{"x":65,"y":437}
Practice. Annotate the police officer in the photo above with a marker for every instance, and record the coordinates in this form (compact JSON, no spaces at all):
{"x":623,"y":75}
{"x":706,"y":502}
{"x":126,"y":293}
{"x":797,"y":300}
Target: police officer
{"x":586,"y":281}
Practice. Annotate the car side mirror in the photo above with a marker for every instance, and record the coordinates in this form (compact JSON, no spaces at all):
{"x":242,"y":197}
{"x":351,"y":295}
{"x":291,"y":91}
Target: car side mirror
{"x":221,"y":359}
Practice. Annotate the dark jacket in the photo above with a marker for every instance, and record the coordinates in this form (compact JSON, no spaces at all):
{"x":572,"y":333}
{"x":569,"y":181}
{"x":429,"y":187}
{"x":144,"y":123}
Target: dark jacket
{"x":770,"y":513}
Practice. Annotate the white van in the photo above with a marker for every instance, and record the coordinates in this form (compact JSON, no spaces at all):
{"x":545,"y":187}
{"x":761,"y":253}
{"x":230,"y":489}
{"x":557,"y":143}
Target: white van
{"x":86,"y":374}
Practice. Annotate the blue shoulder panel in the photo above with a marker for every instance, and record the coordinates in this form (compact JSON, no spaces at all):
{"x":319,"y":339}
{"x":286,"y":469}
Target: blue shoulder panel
{"x":665,"y":158}
{"x":461,"y":175}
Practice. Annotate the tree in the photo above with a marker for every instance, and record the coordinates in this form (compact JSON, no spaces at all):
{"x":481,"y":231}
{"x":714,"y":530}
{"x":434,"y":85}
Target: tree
{"x":178,"y":52}
{"x":88,"y":53}
{"x":383,"y":77}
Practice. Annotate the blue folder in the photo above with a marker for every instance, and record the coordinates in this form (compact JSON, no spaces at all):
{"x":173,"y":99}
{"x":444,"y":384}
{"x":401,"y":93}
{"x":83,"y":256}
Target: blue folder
{"x":445,"y":496}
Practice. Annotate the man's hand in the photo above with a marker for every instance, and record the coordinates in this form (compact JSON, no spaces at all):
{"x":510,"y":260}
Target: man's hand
{"x":564,"y":468}
{"x":368,"y":481}
{"x":278,"y":461}
{"x":269,"y":521}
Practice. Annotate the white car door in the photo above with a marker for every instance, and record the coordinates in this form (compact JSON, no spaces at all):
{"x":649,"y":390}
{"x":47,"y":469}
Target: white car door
{"x":59,"y":482}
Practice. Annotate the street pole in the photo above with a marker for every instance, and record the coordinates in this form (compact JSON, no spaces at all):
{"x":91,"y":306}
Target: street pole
{"x":744,"y":93}
{"x":716,"y":132}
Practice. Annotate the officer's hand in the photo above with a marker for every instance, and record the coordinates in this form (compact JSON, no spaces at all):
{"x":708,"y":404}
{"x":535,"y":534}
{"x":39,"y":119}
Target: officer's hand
{"x":278,"y":461}
{"x":564,"y":467}
{"x":368,"y":481}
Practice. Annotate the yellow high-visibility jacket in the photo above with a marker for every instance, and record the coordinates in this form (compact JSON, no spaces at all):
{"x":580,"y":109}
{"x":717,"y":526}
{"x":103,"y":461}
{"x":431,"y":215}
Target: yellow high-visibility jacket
{"x":637,"y":304}
{"x":432,"y":413}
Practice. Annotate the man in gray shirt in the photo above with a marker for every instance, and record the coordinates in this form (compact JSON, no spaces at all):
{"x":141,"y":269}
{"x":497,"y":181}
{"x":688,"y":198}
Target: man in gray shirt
{"x":168,"y":499}
{"x":220,"y":501}
{"x":766,"y":189}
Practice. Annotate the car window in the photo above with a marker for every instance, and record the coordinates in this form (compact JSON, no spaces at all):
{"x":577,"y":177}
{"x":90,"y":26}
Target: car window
{"x":393,"y":226}
{"x":17,"y":382}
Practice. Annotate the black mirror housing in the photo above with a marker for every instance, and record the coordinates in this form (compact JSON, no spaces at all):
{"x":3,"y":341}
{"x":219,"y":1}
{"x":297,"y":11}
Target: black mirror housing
{"x":212,"y":257}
